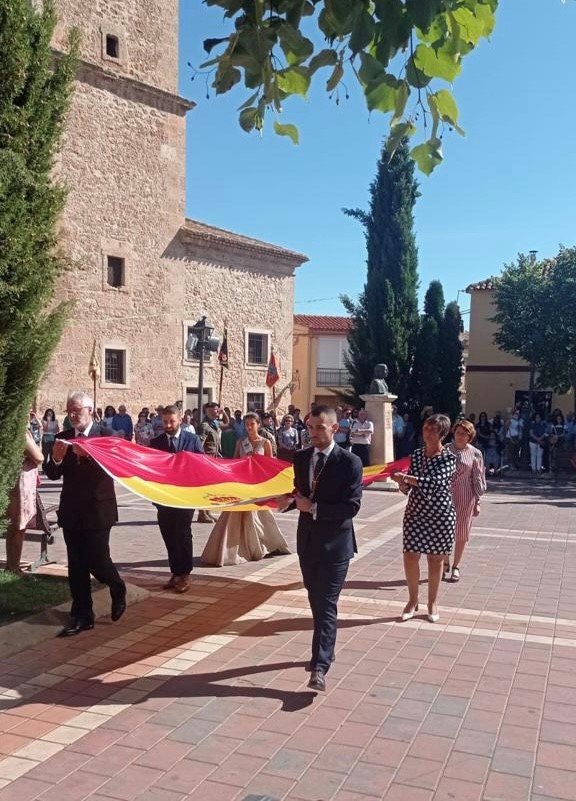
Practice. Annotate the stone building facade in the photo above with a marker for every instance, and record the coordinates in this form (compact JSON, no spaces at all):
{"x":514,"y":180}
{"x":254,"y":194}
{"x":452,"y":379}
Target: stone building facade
{"x":496,"y":380}
{"x":142,"y":274}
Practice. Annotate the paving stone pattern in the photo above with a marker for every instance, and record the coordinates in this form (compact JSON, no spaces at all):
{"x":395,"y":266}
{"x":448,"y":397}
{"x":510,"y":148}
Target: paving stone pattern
{"x":203,"y":696}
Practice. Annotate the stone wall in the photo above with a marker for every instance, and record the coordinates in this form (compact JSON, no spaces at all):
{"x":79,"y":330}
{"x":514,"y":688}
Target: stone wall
{"x":147,"y":32}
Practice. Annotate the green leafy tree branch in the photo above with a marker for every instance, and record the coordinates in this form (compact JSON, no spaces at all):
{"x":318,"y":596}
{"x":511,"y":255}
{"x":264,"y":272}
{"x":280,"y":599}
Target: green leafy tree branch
{"x":400,"y":52}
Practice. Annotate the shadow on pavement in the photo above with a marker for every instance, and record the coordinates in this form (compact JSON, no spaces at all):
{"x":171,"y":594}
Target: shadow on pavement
{"x":378,"y":585}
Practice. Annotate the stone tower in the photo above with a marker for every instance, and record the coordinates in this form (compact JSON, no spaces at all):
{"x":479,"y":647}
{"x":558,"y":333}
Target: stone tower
{"x":142,"y":274}
{"x":123,"y":161}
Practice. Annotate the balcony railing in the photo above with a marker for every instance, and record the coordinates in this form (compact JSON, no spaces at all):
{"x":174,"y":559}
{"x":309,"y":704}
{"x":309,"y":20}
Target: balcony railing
{"x":332,"y":377}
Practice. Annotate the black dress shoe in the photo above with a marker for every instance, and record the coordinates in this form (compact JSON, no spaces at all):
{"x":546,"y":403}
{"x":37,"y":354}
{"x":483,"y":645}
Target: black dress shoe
{"x":118,"y":607}
{"x":317,"y":681}
{"x":76,"y":627}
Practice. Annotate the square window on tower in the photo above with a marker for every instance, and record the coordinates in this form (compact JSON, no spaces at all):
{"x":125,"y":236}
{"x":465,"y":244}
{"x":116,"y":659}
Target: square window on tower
{"x":112,"y":46}
{"x":116,"y":271}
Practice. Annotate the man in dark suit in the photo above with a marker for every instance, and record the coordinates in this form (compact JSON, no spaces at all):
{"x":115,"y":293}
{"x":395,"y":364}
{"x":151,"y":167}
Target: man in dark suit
{"x":86,"y":514}
{"x":176,"y":524}
{"x":328,"y":491}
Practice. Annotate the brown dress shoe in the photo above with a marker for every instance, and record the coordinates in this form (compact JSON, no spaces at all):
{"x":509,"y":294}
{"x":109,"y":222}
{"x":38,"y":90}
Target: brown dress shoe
{"x":182,"y":583}
{"x":205,"y":517}
{"x":170,"y":583}
{"x":317,"y":681}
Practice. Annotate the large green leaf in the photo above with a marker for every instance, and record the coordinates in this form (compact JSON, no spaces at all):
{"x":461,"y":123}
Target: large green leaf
{"x":370,"y":69}
{"x":423,"y":12}
{"x":362,"y":32}
{"x":294,"y":80}
{"x":428,"y":155}
{"x":398,"y":132}
{"x":325,"y":58}
{"x":436,"y":64}
{"x":416,"y":77}
{"x":436,"y":32}
{"x":296,"y":47}
{"x":447,"y":108}
{"x":340,"y":14}
{"x":381,"y":94}
{"x":226,"y":77}
{"x":248,"y":119}
{"x":486,"y":16}
{"x":471,"y":26}
{"x":287,"y":130}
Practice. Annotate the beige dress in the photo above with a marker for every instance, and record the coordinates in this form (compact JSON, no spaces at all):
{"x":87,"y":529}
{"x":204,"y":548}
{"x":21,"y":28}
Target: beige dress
{"x":22,"y":507}
{"x":241,"y":537}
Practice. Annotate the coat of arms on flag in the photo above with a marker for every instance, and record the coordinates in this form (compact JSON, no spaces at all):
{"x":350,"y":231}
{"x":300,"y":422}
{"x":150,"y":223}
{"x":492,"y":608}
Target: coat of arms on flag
{"x":272,"y":372}
{"x":223,"y":354}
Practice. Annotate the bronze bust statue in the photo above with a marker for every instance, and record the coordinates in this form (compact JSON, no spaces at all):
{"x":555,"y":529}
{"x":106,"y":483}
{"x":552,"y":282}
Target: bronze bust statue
{"x":379,"y":385}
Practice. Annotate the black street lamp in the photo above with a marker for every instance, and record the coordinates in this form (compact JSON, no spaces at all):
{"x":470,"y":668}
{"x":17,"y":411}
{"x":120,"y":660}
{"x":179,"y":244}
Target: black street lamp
{"x":200,"y":342}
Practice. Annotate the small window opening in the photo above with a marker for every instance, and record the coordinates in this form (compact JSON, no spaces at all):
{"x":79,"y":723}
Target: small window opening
{"x":112,"y":46}
{"x":116,"y":276}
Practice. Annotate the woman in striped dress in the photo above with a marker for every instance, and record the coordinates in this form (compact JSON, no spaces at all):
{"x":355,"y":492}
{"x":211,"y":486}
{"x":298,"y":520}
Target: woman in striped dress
{"x":468,"y":486}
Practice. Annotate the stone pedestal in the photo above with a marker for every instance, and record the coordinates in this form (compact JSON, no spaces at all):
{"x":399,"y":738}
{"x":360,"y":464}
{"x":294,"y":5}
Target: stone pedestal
{"x":379,"y":409}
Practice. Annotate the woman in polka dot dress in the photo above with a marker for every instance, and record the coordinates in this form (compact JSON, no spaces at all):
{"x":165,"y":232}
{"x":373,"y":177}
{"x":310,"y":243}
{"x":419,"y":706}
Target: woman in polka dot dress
{"x":430,"y":518}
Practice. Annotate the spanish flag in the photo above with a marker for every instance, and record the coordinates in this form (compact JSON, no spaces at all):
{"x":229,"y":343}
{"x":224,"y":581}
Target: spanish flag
{"x":194,"y":481}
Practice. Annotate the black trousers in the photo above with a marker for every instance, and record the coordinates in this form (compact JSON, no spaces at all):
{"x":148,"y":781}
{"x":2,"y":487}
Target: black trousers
{"x":324,"y":582}
{"x":89,"y":554}
{"x":363,"y":451}
{"x":176,"y":529}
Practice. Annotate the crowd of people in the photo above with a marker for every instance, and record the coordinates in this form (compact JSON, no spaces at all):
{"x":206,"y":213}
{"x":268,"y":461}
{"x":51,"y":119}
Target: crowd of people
{"x":287,"y":433}
{"x":549,"y":439}
{"x":444,"y":482}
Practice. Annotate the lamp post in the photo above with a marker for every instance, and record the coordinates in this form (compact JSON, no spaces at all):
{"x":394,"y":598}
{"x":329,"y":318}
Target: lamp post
{"x":199,"y":343}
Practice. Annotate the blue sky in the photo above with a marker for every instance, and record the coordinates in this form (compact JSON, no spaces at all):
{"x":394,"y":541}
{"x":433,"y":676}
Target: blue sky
{"x":509,"y":186}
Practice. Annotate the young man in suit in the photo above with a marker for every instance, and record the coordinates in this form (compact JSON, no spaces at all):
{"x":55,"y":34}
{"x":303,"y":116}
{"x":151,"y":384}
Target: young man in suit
{"x":86,"y":513}
{"x":176,"y":524}
{"x":328,"y":491}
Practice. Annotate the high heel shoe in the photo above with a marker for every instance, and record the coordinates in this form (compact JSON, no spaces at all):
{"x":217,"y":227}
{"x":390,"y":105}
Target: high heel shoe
{"x":432,"y":617}
{"x":408,"y":614}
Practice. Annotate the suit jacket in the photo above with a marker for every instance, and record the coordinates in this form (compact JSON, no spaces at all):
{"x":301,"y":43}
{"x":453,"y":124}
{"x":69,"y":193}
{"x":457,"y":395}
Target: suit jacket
{"x":337,"y":497}
{"x":186,"y":442}
{"x":88,"y":500}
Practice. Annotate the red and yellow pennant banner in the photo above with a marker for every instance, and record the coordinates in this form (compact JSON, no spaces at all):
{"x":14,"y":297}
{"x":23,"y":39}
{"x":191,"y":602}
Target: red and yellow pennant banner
{"x":194,"y":481}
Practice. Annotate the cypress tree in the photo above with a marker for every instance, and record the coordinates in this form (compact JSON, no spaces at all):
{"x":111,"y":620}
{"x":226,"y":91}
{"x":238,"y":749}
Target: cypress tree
{"x":385,"y":316}
{"x":450,"y":363}
{"x":35,"y":93}
{"x":434,"y":302}
{"x":425,"y":377}
{"x":437,"y":370}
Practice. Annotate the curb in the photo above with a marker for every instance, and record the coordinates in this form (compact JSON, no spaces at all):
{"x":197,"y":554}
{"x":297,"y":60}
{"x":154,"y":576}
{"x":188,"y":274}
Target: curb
{"x":45,"y":625}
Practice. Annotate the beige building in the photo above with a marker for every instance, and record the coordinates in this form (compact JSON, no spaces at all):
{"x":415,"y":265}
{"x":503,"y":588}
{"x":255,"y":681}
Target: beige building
{"x":143,"y":273}
{"x":320,"y":347}
{"x":495,"y":380}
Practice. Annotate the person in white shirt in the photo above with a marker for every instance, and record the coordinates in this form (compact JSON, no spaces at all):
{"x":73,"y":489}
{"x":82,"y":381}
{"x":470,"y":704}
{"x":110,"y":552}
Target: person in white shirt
{"x":513,"y":437}
{"x":361,"y":437}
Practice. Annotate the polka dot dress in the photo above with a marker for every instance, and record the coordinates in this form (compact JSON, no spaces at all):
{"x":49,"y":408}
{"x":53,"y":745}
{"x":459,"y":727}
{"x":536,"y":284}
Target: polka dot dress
{"x":429,"y":519}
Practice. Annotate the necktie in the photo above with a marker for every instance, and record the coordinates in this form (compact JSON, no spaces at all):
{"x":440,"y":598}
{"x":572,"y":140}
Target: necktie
{"x":172,"y":444}
{"x":320,"y":459}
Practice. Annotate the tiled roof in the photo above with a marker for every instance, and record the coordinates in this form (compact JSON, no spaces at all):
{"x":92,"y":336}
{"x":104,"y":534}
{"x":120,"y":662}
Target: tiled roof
{"x":320,"y":322}
{"x":488,"y":283}
{"x":210,"y":233}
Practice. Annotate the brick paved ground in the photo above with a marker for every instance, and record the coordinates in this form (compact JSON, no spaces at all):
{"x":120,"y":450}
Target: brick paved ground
{"x":203,"y":696}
